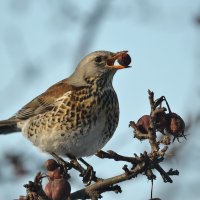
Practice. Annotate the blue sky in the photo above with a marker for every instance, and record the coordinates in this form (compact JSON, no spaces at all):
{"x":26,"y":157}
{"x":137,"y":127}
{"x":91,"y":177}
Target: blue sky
{"x":161,"y":38}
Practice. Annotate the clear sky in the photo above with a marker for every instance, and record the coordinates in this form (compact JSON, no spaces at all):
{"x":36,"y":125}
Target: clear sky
{"x":39,"y":46}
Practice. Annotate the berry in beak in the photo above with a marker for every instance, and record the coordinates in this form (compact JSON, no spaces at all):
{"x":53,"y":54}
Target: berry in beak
{"x":123,"y":59}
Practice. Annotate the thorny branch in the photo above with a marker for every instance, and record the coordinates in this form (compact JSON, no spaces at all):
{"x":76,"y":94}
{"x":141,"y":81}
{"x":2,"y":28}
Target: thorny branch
{"x":147,"y":128}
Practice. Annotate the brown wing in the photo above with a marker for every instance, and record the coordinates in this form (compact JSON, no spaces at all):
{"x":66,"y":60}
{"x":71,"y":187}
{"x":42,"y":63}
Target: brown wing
{"x":43,"y":102}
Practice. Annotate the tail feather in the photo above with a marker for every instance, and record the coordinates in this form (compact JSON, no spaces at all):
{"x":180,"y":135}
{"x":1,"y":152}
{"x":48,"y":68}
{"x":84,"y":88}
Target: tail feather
{"x":8,"y":126}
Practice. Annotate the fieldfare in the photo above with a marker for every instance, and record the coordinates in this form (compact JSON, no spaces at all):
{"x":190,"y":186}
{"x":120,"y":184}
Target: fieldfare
{"x":76,"y":116}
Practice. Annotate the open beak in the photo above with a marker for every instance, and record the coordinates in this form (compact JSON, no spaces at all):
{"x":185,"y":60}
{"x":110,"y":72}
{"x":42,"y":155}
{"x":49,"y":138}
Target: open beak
{"x":111,"y":60}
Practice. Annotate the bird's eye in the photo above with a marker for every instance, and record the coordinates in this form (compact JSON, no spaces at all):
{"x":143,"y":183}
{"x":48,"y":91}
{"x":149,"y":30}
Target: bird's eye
{"x":98,"y":59}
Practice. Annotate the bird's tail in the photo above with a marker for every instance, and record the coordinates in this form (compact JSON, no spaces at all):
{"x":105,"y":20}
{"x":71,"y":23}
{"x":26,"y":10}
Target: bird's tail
{"x":8,"y":126}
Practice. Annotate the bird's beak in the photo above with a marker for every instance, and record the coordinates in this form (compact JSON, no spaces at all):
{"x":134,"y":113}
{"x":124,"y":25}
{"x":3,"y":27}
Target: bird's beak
{"x":111,"y":60}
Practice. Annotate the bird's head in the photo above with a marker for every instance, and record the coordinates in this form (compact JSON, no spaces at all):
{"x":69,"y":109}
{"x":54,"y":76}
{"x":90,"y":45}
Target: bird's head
{"x":96,"y":65}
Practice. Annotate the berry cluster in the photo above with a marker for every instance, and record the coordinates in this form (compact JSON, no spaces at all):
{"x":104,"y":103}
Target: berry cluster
{"x":166,"y":123}
{"x":58,"y":188}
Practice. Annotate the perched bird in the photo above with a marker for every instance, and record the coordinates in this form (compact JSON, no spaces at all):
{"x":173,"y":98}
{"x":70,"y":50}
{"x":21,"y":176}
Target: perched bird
{"x":76,"y":116}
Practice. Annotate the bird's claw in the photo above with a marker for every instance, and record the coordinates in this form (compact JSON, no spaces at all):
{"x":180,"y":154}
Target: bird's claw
{"x":88,"y":175}
{"x":64,"y":166}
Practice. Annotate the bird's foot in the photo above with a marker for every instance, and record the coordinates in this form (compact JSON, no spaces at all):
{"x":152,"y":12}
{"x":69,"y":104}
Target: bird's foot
{"x":64,"y":166}
{"x":88,"y":174}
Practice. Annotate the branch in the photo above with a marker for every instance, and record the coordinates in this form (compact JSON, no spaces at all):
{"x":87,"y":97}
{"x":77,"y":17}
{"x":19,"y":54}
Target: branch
{"x":145,"y":164}
{"x":101,"y":186}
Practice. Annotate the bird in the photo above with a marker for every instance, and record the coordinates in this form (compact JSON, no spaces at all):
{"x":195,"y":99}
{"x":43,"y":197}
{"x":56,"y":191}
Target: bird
{"x":76,"y":116}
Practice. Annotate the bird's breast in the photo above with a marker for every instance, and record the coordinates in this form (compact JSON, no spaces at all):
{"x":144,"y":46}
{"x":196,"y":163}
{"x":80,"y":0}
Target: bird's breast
{"x":81,"y":122}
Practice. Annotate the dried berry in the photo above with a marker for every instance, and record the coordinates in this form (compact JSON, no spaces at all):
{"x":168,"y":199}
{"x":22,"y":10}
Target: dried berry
{"x":56,"y":174}
{"x":47,"y":190}
{"x":60,"y":189}
{"x":161,"y":121}
{"x":176,"y":125}
{"x":143,"y":123}
{"x":124,"y":59}
{"x":51,"y":165}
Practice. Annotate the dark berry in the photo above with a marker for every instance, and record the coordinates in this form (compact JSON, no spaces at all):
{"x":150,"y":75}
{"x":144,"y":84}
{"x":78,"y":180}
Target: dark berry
{"x":51,"y":165}
{"x":124,"y":59}
{"x":60,"y":189}
{"x":176,"y":125}
{"x":143,"y":123}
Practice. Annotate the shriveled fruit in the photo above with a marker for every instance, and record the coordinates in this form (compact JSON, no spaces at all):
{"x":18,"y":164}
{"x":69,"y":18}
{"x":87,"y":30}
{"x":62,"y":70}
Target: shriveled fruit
{"x":60,"y":189}
{"x":47,"y":189}
{"x":51,"y":164}
{"x":161,"y":121}
{"x":143,"y":123}
{"x":176,"y":125}
{"x":56,"y":174}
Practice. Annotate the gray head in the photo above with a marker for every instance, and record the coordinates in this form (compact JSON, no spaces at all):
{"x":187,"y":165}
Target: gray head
{"x":98,"y":64}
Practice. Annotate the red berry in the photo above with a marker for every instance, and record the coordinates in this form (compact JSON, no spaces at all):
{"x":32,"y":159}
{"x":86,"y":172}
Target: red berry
{"x":60,"y":189}
{"x":176,"y":125}
{"x":143,"y":123}
{"x":124,"y":59}
{"x":161,"y":121}
{"x":56,"y":174}
{"x":47,"y":189}
{"x":51,"y":165}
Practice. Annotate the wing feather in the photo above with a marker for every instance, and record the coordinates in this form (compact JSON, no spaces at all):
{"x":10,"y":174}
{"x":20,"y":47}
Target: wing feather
{"x":43,"y":102}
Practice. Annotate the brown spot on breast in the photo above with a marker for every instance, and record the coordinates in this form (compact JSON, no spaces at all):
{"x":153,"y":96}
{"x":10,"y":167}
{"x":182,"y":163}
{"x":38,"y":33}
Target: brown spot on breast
{"x":31,"y":134}
{"x":72,"y":114}
{"x":68,"y":103}
{"x":73,"y":106}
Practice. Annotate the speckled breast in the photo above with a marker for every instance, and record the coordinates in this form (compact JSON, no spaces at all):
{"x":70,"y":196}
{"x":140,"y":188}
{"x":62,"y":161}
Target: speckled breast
{"x":81,"y":122}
